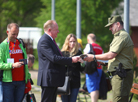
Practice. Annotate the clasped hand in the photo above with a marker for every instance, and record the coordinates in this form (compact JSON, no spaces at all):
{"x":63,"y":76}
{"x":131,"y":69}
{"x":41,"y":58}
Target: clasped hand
{"x":88,"y":58}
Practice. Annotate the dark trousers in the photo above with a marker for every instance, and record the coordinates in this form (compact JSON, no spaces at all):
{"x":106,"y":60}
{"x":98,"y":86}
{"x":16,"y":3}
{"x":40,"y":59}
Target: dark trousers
{"x":48,"y":94}
{"x":13,"y":91}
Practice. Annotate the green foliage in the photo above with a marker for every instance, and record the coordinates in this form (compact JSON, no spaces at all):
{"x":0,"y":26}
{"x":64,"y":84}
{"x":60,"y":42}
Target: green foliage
{"x":135,"y":81}
{"x":35,"y":66}
{"x":135,"y":68}
{"x":94,"y":15}
{"x":135,"y":96}
{"x":22,"y":12}
{"x":35,"y":82}
{"x":35,"y":54}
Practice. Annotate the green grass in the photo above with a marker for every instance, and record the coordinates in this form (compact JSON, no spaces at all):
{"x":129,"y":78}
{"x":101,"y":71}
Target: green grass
{"x":35,"y":66}
{"x":35,"y":82}
{"x":109,"y":94}
{"x":82,"y":96}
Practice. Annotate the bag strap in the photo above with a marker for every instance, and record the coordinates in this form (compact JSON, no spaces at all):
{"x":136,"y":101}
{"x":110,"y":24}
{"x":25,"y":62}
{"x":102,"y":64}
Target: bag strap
{"x":21,"y":41}
{"x":91,"y":50}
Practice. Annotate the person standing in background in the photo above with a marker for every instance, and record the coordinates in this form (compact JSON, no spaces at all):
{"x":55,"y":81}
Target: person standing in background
{"x":120,"y":52}
{"x":51,"y":72}
{"x":70,"y":48}
{"x":93,"y":80}
{"x":30,"y":59}
{"x":15,"y":73}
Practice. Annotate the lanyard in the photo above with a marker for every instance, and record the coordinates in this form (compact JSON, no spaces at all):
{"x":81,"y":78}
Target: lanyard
{"x":10,"y":51}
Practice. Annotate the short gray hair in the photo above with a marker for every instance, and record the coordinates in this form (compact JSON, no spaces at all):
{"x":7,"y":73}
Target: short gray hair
{"x":9,"y":26}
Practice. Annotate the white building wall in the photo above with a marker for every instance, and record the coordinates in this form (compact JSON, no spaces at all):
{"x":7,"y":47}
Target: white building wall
{"x":30,"y":33}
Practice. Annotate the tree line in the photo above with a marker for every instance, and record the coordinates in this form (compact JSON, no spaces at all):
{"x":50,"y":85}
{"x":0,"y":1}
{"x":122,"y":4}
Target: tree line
{"x":33,"y":13}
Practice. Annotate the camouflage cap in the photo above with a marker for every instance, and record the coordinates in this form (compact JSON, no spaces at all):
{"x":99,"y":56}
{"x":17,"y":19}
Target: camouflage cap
{"x":113,"y":19}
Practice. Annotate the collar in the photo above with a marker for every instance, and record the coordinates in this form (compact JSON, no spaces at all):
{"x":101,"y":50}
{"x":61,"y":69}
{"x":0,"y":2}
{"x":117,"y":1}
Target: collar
{"x":49,"y":36}
{"x":117,"y":33}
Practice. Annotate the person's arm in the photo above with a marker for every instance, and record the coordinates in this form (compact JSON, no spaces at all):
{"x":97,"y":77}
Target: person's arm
{"x":106,"y":56}
{"x":48,"y":52}
{"x":87,"y":49}
{"x":3,"y":60}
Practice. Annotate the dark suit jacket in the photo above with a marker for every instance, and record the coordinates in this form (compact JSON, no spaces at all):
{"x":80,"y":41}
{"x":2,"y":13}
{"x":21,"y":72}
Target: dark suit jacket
{"x":51,"y":71}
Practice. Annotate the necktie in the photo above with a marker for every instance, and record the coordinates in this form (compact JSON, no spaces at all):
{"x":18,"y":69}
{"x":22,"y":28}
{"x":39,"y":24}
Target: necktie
{"x":57,"y":47}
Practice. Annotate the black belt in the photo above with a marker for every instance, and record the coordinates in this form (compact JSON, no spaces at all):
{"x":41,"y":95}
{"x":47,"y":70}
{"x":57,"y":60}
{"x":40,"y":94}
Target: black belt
{"x":114,"y":72}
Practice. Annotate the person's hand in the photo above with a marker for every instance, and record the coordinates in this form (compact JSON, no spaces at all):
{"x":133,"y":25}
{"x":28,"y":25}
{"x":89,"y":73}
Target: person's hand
{"x":89,"y":58}
{"x":75,"y":59}
{"x":81,"y":60}
{"x":17,"y":64}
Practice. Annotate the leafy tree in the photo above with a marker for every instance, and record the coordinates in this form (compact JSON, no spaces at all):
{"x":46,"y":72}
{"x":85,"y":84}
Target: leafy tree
{"x":94,"y":15}
{"x":22,"y":12}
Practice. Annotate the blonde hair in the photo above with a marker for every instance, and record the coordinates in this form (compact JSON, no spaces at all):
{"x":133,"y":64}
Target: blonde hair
{"x":66,"y":45}
{"x":49,"y":24}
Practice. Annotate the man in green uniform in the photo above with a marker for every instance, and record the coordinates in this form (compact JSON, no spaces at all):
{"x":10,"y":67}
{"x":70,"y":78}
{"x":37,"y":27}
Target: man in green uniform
{"x":121,"y":51}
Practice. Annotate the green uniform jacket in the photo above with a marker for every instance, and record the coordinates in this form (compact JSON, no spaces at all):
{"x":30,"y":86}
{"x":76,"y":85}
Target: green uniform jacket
{"x":6,"y":67}
{"x":122,"y":44}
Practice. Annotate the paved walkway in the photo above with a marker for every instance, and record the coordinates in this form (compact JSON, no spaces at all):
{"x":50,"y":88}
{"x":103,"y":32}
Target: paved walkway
{"x":36,"y":89}
{"x":34,"y":74}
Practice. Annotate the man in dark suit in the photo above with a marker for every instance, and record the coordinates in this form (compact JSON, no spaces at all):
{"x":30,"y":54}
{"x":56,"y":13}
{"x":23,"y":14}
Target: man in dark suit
{"x":51,"y":73}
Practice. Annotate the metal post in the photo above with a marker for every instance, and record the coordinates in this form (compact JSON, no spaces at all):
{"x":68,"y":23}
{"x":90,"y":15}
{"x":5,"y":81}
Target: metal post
{"x":78,"y":18}
{"x":53,"y":10}
{"x":126,"y":15}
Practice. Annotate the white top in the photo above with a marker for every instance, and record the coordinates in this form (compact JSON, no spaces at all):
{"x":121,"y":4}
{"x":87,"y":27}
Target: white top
{"x":87,"y":50}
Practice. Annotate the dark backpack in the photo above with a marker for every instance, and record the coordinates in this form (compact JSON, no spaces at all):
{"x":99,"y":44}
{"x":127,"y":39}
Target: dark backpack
{"x":21,"y":42}
{"x":91,"y":67}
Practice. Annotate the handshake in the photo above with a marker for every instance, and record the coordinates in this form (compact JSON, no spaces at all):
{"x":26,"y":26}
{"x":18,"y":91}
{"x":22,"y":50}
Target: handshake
{"x":88,"y":58}
{"x":80,"y":58}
